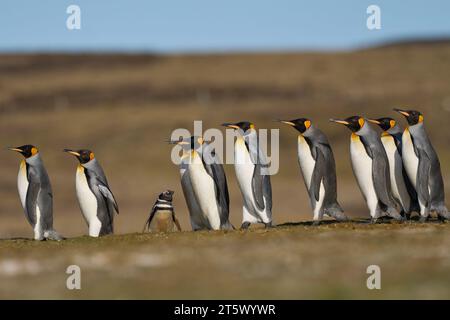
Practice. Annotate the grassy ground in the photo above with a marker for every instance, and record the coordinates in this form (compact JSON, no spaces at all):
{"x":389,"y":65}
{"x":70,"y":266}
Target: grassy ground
{"x":290,"y":261}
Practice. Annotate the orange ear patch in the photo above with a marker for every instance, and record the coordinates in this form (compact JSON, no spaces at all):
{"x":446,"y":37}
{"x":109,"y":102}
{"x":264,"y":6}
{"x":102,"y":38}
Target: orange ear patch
{"x":361,"y":122}
{"x":307,"y":124}
{"x":91,"y":156}
{"x":421,"y":118}
{"x":34,"y":151}
{"x":392,"y":123}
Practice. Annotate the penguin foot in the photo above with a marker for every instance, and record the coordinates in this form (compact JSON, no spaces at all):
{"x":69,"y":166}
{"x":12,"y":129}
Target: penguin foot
{"x":245,"y":225}
{"x":268,"y":225}
{"x":373,"y":220}
{"x":316,"y":222}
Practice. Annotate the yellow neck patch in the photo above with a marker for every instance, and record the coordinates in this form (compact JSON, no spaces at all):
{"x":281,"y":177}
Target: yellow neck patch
{"x":392,"y":123}
{"x":34,"y":151}
{"x":252,"y":126}
{"x":91,"y":156}
{"x":420,"y":118}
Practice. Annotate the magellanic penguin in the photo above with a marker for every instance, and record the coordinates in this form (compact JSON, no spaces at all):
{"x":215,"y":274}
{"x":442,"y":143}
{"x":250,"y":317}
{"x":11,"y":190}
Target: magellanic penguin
{"x":402,"y":188}
{"x":162,"y":217}
{"x":94,"y":195}
{"x":371,"y":167}
{"x":250,"y":164}
{"x":318,"y":168}
{"x":206,"y":188}
{"x":35,"y":193}
{"x":422,"y":165}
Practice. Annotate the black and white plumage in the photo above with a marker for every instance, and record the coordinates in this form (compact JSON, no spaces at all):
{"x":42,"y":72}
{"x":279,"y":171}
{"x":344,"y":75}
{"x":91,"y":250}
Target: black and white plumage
{"x":253,"y":178}
{"x":371,"y":168}
{"x":35,"y":193}
{"x":162,"y":216}
{"x":318,"y":168}
{"x":204,"y":185}
{"x":423,"y":167}
{"x":97,"y":202}
{"x":401,"y":186}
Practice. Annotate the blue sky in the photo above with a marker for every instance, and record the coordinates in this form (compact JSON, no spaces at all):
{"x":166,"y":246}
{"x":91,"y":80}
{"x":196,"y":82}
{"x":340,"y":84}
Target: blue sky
{"x":215,"y":25}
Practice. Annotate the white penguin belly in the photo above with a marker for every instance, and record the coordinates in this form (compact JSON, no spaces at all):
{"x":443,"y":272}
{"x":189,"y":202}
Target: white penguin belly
{"x":204,"y":191}
{"x":410,"y":160}
{"x":244,"y":168}
{"x":306,"y":161}
{"x":22,"y":183}
{"x":88,"y":202}
{"x":362,"y":167}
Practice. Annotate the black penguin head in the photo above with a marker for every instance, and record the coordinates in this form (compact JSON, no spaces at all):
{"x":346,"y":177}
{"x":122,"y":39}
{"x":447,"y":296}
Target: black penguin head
{"x":166,"y":195}
{"x":242,"y":125}
{"x":191,"y":143}
{"x":83,"y":155}
{"x":354,"y":123}
{"x":384,"y":123}
{"x":412,"y":116}
{"x":301,"y":124}
{"x":27,"y":150}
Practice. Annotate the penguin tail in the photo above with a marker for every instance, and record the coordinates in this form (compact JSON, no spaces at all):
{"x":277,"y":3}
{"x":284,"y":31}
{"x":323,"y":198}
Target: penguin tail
{"x":393,"y":213}
{"x":228,"y":226}
{"x":336,"y":212}
{"x":53,"y":235}
{"x":442,"y":212}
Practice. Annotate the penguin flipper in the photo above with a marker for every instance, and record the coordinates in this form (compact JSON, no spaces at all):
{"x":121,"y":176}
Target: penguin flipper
{"x":381,"y":179}
{"x":257,"y":187}
{"x":30,"y":202}
{"x":150,"y":217}
{"x":215,"y":170}
{"x":177,"y":223}
{"x":107,"y":193}
{"x":318,"y":173}
{"x":423,"y":174}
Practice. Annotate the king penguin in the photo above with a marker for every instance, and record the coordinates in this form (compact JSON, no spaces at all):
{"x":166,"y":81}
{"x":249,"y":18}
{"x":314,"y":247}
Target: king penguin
{"x":318,"y":168}
{"x":371,"y":168}
{"x":94,"y":195}
{"x":205,"y":186}
{"x":162,"y":217}
{"x":197,"y":219}
{"x":402,"y":188}
{"x":35,"y":192}
{"x":422,"y":166}
{"x":254,"y":184}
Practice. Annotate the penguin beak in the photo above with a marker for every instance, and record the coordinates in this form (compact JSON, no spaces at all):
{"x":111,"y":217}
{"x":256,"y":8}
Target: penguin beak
{"x":230,"y":125}
{"x":74,"y":153}
{"x":374,"y":121}
{"x":15,"y":149}
{"x":289,"y":123}
{"x":402,"y":112}
{"x":345,"y":123}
